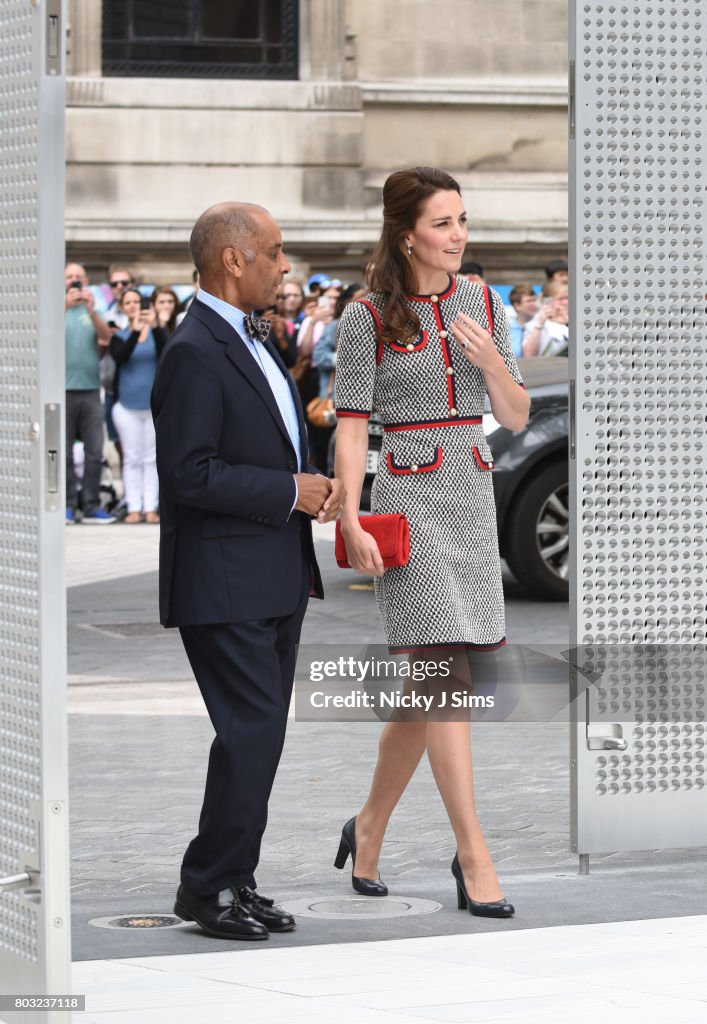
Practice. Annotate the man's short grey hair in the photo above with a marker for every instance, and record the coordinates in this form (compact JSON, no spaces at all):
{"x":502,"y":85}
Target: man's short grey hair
{"x":220,"y":227}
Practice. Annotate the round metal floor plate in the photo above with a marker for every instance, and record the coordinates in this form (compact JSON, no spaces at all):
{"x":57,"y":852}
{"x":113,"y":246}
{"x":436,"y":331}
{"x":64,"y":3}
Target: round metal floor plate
{"x":360,"y":907}
{"x":138,"y":921}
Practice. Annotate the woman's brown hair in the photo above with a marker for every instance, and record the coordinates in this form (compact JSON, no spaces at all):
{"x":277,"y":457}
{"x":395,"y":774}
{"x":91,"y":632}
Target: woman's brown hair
{"x":171,"y":324}
{"x":404,"y":195}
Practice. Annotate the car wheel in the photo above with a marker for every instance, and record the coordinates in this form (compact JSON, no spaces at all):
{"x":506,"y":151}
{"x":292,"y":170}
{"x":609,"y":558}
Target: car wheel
{"x":537,"y":534}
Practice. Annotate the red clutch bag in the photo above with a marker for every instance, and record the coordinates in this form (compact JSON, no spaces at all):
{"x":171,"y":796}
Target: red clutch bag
{"x":391,"y":533}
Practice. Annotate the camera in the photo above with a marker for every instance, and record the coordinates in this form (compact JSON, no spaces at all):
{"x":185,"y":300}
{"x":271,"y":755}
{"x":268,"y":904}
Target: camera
{"x":75,"y":284}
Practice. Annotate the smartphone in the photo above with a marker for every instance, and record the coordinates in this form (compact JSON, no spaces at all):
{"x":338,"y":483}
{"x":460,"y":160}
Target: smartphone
{"x":324,"y":301}
{"x":145,"y":302}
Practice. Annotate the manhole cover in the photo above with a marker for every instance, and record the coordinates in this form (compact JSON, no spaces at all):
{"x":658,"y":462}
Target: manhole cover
{"x":353,"y":907}
{"x":142,"y":921}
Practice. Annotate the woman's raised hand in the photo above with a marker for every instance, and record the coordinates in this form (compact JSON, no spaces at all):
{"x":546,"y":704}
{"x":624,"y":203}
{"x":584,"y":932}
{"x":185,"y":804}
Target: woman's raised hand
{"x":148,"y":317}
{"x":475,"y":342}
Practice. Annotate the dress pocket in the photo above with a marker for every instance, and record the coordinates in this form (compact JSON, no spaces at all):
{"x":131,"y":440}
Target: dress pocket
{"x":398,"y":468}
{"x":411,"y":346}
{"x":483,"y":457}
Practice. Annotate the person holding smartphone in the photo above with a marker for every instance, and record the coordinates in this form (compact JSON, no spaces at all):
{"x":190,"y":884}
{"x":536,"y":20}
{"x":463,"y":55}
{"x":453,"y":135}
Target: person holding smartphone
{"x":86,"y":338}
{"x":548,"y":333}
{"x":136,"y":350}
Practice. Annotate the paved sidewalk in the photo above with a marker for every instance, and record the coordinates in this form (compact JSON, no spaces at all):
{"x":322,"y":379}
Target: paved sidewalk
{"x":637,"y":972}
{"x":139,"y":740}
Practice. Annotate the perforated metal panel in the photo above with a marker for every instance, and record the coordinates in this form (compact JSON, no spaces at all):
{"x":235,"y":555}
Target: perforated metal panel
{"x":638,"y":169}
{"x":34,"y":923}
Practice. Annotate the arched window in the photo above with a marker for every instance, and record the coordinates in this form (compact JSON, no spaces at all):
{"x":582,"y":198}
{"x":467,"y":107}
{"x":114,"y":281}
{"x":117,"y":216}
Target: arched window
{"x":200,"y":38}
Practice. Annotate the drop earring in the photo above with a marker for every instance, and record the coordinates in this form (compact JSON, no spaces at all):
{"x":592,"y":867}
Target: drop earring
{"x":409,"y":250}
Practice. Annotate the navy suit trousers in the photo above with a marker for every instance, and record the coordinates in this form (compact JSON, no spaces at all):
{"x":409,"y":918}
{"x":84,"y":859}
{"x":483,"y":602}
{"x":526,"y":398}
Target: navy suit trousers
{"x":245,"y":672}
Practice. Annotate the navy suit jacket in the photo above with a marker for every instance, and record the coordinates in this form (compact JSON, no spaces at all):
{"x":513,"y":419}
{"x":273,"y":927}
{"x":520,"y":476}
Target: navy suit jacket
{"x":230,"y":550}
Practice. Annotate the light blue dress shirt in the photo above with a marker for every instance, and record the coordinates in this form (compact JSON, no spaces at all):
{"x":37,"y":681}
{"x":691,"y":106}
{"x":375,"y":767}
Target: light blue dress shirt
{"x":273,"y":374}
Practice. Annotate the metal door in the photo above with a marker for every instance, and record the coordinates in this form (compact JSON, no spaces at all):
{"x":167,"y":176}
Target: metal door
{"x":638,"y":170}
{"x":34,"y":896}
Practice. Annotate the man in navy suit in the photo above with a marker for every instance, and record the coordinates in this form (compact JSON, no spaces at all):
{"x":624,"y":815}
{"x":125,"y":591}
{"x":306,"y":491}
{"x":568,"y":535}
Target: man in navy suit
{"x":237,"y":562}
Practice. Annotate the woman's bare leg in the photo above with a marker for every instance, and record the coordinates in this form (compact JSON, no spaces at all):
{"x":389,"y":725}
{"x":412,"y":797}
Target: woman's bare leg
{"x":401,"y":747}
{"x":448,"y":745}
{"x":449,"y":753}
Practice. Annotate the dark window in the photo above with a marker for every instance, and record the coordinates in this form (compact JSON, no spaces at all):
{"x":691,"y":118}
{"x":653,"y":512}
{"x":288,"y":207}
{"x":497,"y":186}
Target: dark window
{"x":200,"y":38}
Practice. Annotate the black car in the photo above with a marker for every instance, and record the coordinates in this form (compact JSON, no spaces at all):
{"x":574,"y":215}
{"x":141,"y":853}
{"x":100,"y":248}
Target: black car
{"x":530,"y":479}
{"x":531,"y":483}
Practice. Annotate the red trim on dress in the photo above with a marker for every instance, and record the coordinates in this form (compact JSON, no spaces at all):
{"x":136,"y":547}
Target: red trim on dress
{"x":462,"y":645}
{"x":480,"y":461}
{"x":350,"y":412}
{"x":393,"y":428}
{"x":379,"y":328}
{"x":488,"y":647}
{"x":422,"y":467}
{"x":446,"y":355}
{"x":374,"y":313}
{"x":489,"y":309}
{"x":415,"y":348}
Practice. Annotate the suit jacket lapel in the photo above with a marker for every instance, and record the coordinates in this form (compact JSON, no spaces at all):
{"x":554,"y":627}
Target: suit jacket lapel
{"x":242,"y":359}
{"x":294,"y":391}
{"x":239,"y":355}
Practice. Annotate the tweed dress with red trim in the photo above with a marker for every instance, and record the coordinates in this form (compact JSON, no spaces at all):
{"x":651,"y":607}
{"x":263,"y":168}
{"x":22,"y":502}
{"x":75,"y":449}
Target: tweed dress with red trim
{"x":435,"y":466}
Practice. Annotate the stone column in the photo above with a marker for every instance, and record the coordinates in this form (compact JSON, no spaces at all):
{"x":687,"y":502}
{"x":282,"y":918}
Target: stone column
{"x":85,"y":18}
{"x":323,"y":41}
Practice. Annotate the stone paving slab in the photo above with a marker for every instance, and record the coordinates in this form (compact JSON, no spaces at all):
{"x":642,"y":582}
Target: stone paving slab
{"x":131,"y":821}
{"x":139,"y":740}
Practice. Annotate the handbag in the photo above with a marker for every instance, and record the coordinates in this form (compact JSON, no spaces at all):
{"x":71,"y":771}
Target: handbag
{"x":301,"y":368}
{"x":391,"y":533}
{"x":321,"y":411}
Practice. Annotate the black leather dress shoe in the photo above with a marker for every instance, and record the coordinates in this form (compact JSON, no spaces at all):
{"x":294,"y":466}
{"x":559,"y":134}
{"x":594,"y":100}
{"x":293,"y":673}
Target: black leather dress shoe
{"x":265,"y":911}
{"x":222,"y":916}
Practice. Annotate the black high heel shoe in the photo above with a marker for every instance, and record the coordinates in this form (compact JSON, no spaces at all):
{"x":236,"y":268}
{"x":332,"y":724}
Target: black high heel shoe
{"x":365,"y":886}
{"x":499,"y":908}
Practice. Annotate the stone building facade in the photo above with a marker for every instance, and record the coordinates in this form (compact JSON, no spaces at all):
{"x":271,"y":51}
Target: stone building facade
{"x":478,"y":88}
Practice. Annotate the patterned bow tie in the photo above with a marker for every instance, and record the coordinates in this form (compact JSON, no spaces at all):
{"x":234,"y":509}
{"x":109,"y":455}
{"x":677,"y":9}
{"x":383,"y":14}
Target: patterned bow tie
{"x":257,"y":327}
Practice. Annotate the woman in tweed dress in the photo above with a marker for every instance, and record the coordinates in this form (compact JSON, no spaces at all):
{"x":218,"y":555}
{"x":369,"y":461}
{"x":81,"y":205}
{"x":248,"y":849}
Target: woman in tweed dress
{"x":423,"y":349}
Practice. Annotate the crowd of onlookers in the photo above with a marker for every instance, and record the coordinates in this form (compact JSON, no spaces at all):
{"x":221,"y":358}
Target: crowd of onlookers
{"x":111,"y":360}
{"x":112,"y":354}
{"x":540,"y":325}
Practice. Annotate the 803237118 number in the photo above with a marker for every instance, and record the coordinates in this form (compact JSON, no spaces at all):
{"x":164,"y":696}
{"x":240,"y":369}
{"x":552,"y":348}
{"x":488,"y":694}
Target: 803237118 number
{"x":33,"y":1002}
